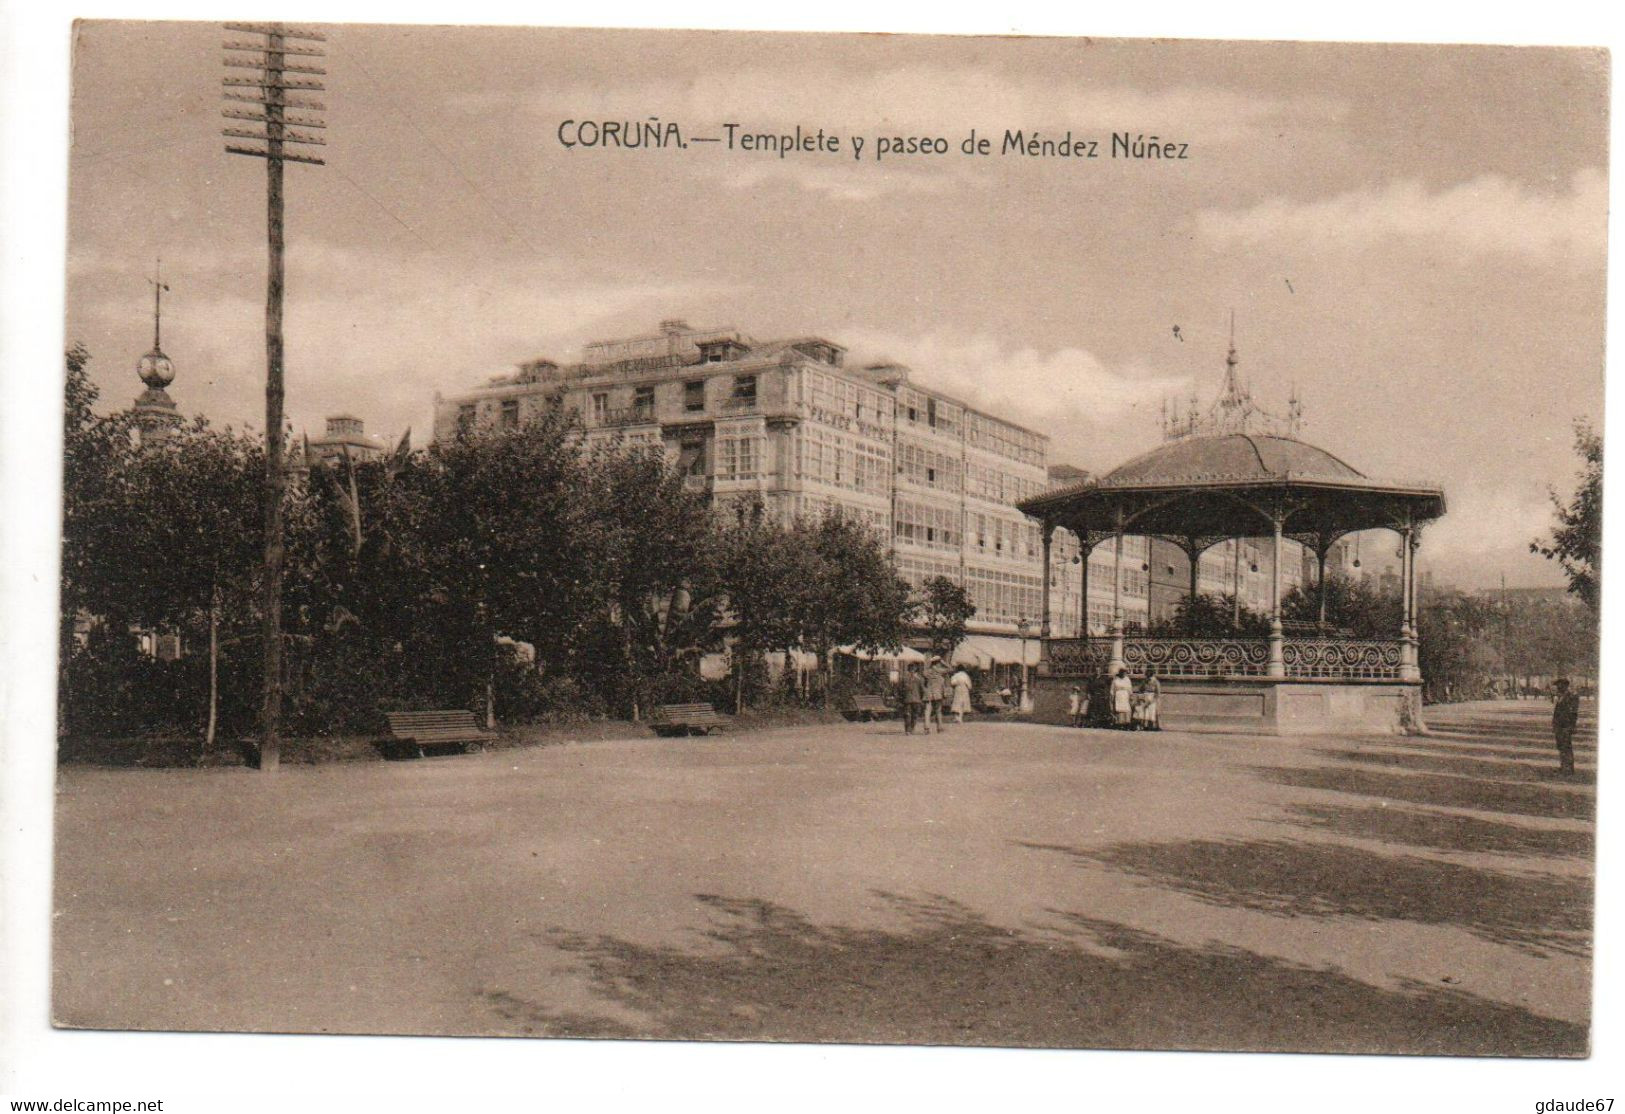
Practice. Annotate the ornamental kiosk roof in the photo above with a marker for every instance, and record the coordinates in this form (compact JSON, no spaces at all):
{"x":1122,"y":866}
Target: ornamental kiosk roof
{"x":1237,"y":456}
{"x":1209,"y":488}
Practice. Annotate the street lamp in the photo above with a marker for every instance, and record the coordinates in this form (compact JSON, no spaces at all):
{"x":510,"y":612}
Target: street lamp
{"x":1024,"y":628}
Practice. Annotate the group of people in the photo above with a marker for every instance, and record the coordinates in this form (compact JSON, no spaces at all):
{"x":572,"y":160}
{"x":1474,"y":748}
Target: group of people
{"x":1134,"y":707}
{"x":924,"y":694}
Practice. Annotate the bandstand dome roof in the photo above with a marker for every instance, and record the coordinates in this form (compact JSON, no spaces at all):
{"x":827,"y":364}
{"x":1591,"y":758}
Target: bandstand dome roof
{"x":1240,"y":457}
{"x":1233,"y":484}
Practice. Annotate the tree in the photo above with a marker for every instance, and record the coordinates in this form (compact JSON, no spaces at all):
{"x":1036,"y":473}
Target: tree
{"x":1576,"y":539}
{"x":1211,"y":616}
{"x":857,"y":598}
{"x":194,"y":544}
{"x":944,"y":610}
{"x":1353,"y":605}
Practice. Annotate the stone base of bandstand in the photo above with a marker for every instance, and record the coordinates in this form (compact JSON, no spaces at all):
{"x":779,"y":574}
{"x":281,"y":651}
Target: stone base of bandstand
{"x":1265,"y":705}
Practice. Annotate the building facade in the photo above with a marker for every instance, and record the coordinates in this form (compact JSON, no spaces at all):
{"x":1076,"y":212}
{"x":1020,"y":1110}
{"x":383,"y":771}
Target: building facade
{"x":346,"y":435}
{"x":790,"y":424}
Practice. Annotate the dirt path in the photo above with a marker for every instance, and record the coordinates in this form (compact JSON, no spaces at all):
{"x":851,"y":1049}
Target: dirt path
{"x":1003,"y":884}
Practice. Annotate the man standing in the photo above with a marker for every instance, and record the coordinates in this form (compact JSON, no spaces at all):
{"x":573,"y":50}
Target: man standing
{"x":911,"y":695}
{"x":936,"y":693}
{"x":1565,"y":714}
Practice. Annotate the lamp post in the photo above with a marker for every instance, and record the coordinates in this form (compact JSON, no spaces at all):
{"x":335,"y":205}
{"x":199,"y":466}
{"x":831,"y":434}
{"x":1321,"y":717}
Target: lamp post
{"x":1024,"y":628}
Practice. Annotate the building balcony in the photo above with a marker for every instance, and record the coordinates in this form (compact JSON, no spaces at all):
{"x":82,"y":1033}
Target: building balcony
{"x":628,"y":415}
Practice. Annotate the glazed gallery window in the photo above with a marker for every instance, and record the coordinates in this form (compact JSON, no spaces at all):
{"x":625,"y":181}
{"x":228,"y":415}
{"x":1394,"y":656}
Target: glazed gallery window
{"x":738,"y":458}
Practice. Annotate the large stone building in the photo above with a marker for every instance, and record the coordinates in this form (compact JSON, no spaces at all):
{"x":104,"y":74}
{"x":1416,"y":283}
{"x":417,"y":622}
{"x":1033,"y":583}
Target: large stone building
{"x":790,"y":423}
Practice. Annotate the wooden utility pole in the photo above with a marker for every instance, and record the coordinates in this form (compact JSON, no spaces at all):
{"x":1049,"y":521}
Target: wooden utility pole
{"x":272,"y":90}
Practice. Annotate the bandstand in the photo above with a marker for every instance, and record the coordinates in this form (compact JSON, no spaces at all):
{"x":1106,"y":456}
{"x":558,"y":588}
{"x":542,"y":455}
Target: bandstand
{"x":1204,"y":488}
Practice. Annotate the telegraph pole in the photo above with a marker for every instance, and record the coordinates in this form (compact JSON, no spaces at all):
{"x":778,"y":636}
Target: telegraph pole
{"x":271,"y":89}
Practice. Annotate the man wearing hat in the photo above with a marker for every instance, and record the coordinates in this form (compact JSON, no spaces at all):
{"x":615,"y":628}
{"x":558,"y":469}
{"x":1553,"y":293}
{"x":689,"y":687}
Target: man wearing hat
{"x":1565,"y":715}
{"x":936,"y":692}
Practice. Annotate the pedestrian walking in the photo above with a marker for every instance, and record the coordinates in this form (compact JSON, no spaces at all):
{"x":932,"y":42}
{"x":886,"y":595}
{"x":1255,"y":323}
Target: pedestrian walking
{"x":911,"y":695}
{"x":960,"y":683}
{"x":1122,"y":699}
{"x":936,"y":693}
{"x":1565,"y":715}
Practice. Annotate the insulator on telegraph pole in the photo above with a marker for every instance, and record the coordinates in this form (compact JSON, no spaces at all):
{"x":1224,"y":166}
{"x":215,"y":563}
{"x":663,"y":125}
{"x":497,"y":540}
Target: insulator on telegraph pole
{"x":274,"y":76}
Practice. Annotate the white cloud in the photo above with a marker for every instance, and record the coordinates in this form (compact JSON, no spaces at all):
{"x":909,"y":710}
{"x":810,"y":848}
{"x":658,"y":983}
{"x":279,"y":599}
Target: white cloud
{"x":1485,"y":216}
{"x":378,"y":339}
{"x":845,"y":181}
{"x":1487,"y":526}
{"x":1051,"y":390}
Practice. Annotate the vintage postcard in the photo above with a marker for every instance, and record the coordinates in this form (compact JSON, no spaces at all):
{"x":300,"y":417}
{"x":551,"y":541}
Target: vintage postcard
{"x":820,"y":538}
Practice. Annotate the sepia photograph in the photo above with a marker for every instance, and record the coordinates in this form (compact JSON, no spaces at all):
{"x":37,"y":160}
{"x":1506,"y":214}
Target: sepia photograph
{"x":830,"y":539}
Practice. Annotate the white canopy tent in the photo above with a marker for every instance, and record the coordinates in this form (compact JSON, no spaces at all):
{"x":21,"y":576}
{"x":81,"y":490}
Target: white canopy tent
{"x":907,"y":653}
{"x":984,"y":652}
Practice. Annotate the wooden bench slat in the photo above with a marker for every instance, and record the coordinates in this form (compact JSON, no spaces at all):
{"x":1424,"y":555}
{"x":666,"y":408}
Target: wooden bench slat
{"x":686,"y":716}
{"x":436,"y":727}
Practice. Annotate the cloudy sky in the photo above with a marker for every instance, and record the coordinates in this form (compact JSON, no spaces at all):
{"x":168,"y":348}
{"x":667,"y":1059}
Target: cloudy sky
{"x":1413,"y":237}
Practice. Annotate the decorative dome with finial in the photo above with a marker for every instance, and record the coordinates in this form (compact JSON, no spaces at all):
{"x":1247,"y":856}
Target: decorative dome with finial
{"x":156,"y":369}
{"x":155,"y":412}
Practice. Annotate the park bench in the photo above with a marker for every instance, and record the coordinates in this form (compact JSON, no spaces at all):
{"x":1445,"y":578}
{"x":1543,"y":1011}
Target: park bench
{"x":450,"y":727}
{"x":686,"y":719}
{"x":868,"y":707}
{"x":991,"y":702}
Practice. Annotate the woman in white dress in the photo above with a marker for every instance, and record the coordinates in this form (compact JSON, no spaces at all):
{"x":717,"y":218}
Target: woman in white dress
{"x":960,"y":682}
{"x":1122,"y":698}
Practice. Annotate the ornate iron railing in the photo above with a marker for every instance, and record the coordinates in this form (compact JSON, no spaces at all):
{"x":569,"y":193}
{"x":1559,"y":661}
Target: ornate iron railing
{"x":1197,"y":657}
{"x":1304,"y":658}
{"x":1341,"y":658}
{"x":1078,"y":657}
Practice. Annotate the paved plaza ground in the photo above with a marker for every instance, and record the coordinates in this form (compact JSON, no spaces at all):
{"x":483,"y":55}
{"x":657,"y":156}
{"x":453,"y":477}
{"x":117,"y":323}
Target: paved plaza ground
{"x":1002,"y":883}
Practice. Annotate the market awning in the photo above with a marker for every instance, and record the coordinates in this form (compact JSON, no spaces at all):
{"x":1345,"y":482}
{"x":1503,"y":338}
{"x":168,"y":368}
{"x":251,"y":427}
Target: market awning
{"x":907,"y":653}
{"x":983,"y":651}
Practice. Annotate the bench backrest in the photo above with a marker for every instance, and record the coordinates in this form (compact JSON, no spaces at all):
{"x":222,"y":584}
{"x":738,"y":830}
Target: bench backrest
{"x":458,"y":719}
{"x":685,"y":709}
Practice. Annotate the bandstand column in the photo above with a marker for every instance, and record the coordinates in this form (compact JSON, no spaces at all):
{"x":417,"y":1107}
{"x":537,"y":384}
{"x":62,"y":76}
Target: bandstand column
{"x":1084,"y":549}
{"x":1049,"y":572}
{"x":1190,"y":609}
{"x":1409,"y":668}
{"x":1277,"y":665}
{"x":1320,"y":581}
{"x":1117,"y":596}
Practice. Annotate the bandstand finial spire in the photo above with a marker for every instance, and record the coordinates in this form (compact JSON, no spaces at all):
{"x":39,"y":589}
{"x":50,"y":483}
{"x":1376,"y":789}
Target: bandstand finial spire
{"x":158,"y":288}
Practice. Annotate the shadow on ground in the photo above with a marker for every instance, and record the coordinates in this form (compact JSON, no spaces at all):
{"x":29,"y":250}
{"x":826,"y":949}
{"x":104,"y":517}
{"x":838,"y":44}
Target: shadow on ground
{"x":949,"y":977}
{"x":1541,"y":758}
{"x":1521,"y":798}
{"x":1439,"y":831}
{"x":1532,"y":912}
{"x":1462,"y":765}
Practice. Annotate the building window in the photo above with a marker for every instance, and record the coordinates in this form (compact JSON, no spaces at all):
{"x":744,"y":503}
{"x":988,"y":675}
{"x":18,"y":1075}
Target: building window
{"x":510,"y":413}
{"x":744,"y":390}
{"x":643,"y":403}
{"x":600,"y":407}
{"x":694,"y":395}
{"x":465,"y":416}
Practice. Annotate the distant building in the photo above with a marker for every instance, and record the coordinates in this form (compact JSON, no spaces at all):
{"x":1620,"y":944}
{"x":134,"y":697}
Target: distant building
{"x":790,"y":424}
{"x":347,"y":434}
